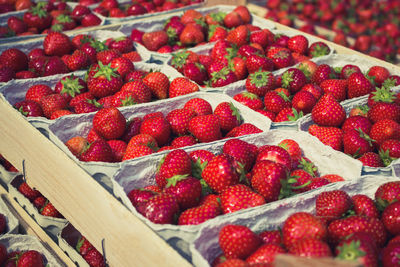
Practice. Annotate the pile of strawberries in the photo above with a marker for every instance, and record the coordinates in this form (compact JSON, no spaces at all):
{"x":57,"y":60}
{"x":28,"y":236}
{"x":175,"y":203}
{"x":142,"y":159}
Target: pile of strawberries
{"x":91,"y":255}
{"x":371,"y":133}
{"x":244,"y":52}
{"x":194,"y":187}
{"x":12,"y":5}
{"x":62,"y":54}
{"x":111,"y":8}
{"x":374,"y":34}
{"x":21,"y":258}
{"x":113,"y":139}
{"x":193,"y":28}
{"x":42,"y":204}
{"x":48,"y":16}
{"x":114,"y":85}
{"x":354,"y":228}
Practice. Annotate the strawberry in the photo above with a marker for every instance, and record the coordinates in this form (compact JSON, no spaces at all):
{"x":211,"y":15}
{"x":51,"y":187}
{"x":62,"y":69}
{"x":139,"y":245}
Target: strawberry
{"x":50,"y":211}
{"x":70,"y":86}
{"x":266,"y":179}
{"x":302,"y":225}
{"x":356,"y":142}
{"x":177,"y":162}
{"x":38,"y":17}
{"x":266,"y":254}
{"x":237,"y":241}
{"x":54,"y":65}
{"x":84,"y":246}
{"x":238,"y":197}
{"x":337,"y":87}
{"x":282,"y":59}
{"x":292,"y":147}
{"x":192,"y":34}
{"x":357,"y":122}
{"x":371,"y":159}
{"x":219,"y":173}
{"x":256,"y":62}
{"x":76,"y":145}
{"x":94,"y":258}
{"x":154,"y":40}
{"x":160,"y":209}
{"x":330,"y":136}
{"x":328,"y":112}
{"x":311,"y":248}
{"x":199,"y":214}
{"x":36,"y":92}
{"x":135,"y":151}
{"x":358,"y":85}
{"x":110,"y":123}
{"x":349,"y":69}
{"x":28,"y":192}
{"x":140,"y":196}
{"x":29,"y":108}
{"x":30,"y":258}
{"x":51,"y":103}
{"x":384,"y":110}
{"x":308,"y":67}
{"x":332,"y":204}
{"x":386,"y":194}
{"x":318,"y":49}
{"x":195,"y":72}
{"x":182,"y":141}
{"x":390,"y":255}
{"x":298,"y":43}
{"x":238,"y":65}
{"x":322,"y":73}
{"x":379,"y":74}
{"x":222,"y":77}
{"x":140,"y":92}
{"x":260,"y":82}
{"x":14,"y":59}
{"x":6,"y":74}
{"x":389,"y":150}
{"x":384,"y":130}
{"x":158,"y":83}
{"x":205,"y":128}
{"x":179,"y":120}
{"x":250,"y":100}
{"x":242,"y":152}
{"x":123,"y":66}
{"x":229,"y":116}
{"x":271,"y":237}
{"x":303,"y":101}
{"x":275,"y":154}
{"x":288,"y":114}
{"x":118,"y":148}
{"x":122,"y":44}
{"x":364,"y":206}
{"x":57,"y":44}
{"x":275,"y":101}
{"x":243,"y":13}
{"x":186,"y":190}
{"x":233,"y":20}
{"x":200,"y":159}
{"x":106,"y":81}
{"x":158,"y":127}
{"x":98,"y":150}
{"x":358,"y":247}
{"x":182,"y":86}
{"x":243,"y":129}
{"x":106,"y":56}
{"x":390,"y":218}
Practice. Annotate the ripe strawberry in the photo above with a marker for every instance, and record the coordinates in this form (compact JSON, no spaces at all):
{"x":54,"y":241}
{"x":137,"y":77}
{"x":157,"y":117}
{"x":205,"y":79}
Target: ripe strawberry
{"x":358,"y":85}
{"x":384,"y":130}
{"x":237,"y":241}
{"x":356,"y":142}
{"x":140,"y":92}
{"x":371,"y":159}
{"x":106,"y":81}
{"x":390,"y":255}
{"x":260,"y":82}
{"x":51,"y":103}
{"x":192,"y":34}
{"x":298,"y":43}
{"x":238,"y":65}
{"x":205,"y":128}
{"x":242,"y":152}
{"x":84,"y":246}
{"x":106,"y":56}
{"x":219,"y":173}
{"x":390,"y":218}
{"x":31,"y":258}
{"x":243,"y":129}
{"x":302,"y":225}
{"x":330,"y":136}
{"x":222,"y":77}
{"x":28,"y":192}
{"x":94,"y":258}
{"x":337,"y":87}
{"x":76,"y":145}
{"x":179,"y":120}
{"x":177,"y":162}
{"x":332,"y":204}
{"x":384,"y":110}
{"x":160,"y":209}
{"x":318,"y":49}
{"x":364,"y":206}
{"x":379,"y":74}
{"x":57,"y":44}
{"x":185,"y":190}
{"x":199,"y":214}
{"x":389,"y":150}
{"x":110,"y":123}
{"x":229,"y":116}
{"x":271,"y":237}
{"x":357,"y":122}
{"x":282,"y":59}
{"x":135,"y":151}
{"x":29,"y":108}
{"x":386,"y":194}
{"x":158,"y":127}
{"x":158,"y":83}
{"x":98,"y":150}
{"x":14,"y":59}
{"x":303,"y":101}
{"x":36,"y":92}
{"x":266,"y":179}
{"x":250,"y":100}
{"x":266,"y":254}
{"x":243,"y":13}
{"x":238,"y":197}
{"x":50,"y":211}
{"x":328,"y":112}
{"x":256,"y":62}
{"x":182,"y":141}
{"x":275,"y":154}
{"x":288,"y":114}
{"x":322,"y":73}
{"x":140,"y":196}
{"x":195,"y":72}
{"x":311,"y":248}
{"x":123,"y":66}
{"x":198,"y":106}
{"x":118,"y":148}
{"x":275,"y":101}
{"x":154,"y":40}
{"x":358,"y":247}
{"x":182,"y":86}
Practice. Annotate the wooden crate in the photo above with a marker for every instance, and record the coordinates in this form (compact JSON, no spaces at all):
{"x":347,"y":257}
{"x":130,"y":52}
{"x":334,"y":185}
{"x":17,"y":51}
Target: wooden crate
{"x":88,"y":206}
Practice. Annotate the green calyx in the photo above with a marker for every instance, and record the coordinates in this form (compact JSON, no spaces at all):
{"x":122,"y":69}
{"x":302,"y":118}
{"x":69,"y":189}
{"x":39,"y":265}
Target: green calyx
{"x":284,"y":96}
{"x":350,"y":251}
{"x":57,"y":27}
{"x":179,"y":59}
{"x":71,"y":86}
{"x":201,"y":22}
{"x":39,"y":10}
{"x":260,"y":78}
{"x":287,"y":186}
{"x":363,"y":108}
{"x":205,"y":188}
{"x":296,"y":115}
{"x":79,"y":244}
{"x":128,"y":101}
{"x":21,"y":110}
{"x":319,"y":50}
{"x":383,"y":94}
{"x":94,"y":102}
{"x":172,"y":181}
{"x":106,"y":71}
{"x":235,"y":112}
{"x":198,"y":167}
{"x":305,"y":70}
{"x":99,"y":46}
{"x":287,"y":78}
{"x":64,"y":18}
{"x":172,"y":35}
{"x":218,"y":16}
{"x":365,"y":136}
{"x":249,"y":95}
{"x":389,"y":83}
{"x":215,"y":76}
{"x":386,"y":158}
{"x":307,"y":166}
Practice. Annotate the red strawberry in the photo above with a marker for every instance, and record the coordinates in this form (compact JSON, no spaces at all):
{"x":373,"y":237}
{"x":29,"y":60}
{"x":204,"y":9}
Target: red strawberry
{"x":242,"y":152}
{"x":205,"y":128}
{"x":222,"y":77}
{"x":239,"y":36}
{"x":237,"y":241}
{"x":229,"y":116}
{"x":123,"y":66}
{"x":358,"y":85}
{"x":311,"y":248}
{"x":322,"y":73}
{"x":98,"y":150}
{"x":70,"y":86}
{"x":238,"y":197}
{"x":158,"y":127}
{"x":384,"y":110}
{"x":106,"y":56}
{"x":154,"y":40}
{"x":140,"y":92}
{"x":349,"y":69}
{"x":379,"y":74}
{"x":36,"y":92}
{"x":177,"y":162}
{"x":391,"y":217}
{"x":158,"y":83}
{"x":318,"y":49}
{"x":288,"y":114}
{"x":256,"y":62}
{"x":51,"y":103}
{"x":265,"y":254}
{"x":243,"y":129}
{"x":118,"y":148}
{"x":358,"y":247}
{"x":160,"y":209}
{"x":198,"y":106}
{"x":266,"y":179}
{"x":110,"y":123}
{"x":293,"y":79}
{"x":340,"y":229}
{"x":195,"y":72}
{"x":389,"y":150}
{"x":276,"y":102}
{"x":50,"y":211}
{"x":179,"y":120}
{"x":106,"y":81}
{"x":57,"y":44}
{"x":135,"y":151}
{"x":186,"y":190}
{"x":182,"y":141}
{"x":140,"y":196}
{"x":364,"y":206}
{"x":198,"y":214}
{"x":386,"y":194}
{"x":275,"y":154}
{"x":298,"y":43}
{"x":28,"y":192}
{"x":337,"y":87}
{"x":282,"y":59}
{"x":302,"y":225}
{"x":356,"y":142}
{"x":357,"y":122}
{"x":29,"y":108}
{"x":260,"y":82}
{"x":330,"y":136}
{"x":271,"y":237}
{"x":328,"y":112}
{"x":384,"y":130}
{"x":192,"y":34}
{"x":303,"y":101}
{"x":371,"y":159}
{"x":31,"y":258}
{"x":292,"y":147}
{"x":182,"y":86}
{"x":250,"y":100}
{"x":219,"y":173}
{"x":390,"y":255}
{"x":332,"y":204}
{"x":14,"y":59}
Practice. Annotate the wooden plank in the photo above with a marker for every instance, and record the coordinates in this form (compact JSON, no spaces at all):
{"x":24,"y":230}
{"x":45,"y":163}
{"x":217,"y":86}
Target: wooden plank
{"x":226,"y":2}
{"x":88,"y":206}
{"x":285,"y":260}
{"x":30,"y":227}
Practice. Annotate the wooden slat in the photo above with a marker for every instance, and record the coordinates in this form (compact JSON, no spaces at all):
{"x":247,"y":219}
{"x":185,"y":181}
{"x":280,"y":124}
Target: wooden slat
{"x":285,"y":260}
{"x":88,"y":206}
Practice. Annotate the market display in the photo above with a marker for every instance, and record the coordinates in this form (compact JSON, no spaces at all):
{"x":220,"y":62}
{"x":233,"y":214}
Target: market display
{"x":230,"y":138}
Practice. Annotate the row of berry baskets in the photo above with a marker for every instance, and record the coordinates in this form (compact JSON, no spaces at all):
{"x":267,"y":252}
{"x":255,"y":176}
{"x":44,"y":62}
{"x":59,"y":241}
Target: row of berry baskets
{"x":264,"y":127}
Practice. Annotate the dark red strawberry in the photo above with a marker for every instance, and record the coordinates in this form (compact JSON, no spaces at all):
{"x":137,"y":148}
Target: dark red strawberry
{"x":31,"y":258}
{"x":358,"y":85}
{"x":177,"y":162}
{"x":250,"y":100}
{"x":311,"y":248}
{"x":237,"y":241}
{"x":198,"y":214}
{"x":330,"y":136}
{"x":205,"y":128}
{"x":391,"y":217}
{"x":357,"y":122}
{"x":160,"y":209}
{"x":51,"y":103}
{"x":371,"y":159}
{"x":337,"y":87}
{"x":57,"y":44}
{"x":276,"y":102}
{"x":110,"y":123}
{"x":322,"y":73}
{"x":229,"y":116}
{"x":384,"y":130}
{"x":356,"y":142}
{"x":332,"y":204}
{"x":50,"y":211}
{"x":328,"y":112}
{"x":98,"y":150}
{"x":242,"y":152}
{"x":293,"y":79}
{"x":386,"y":194}
{"x":238,"y":197}
{"x":266,"y":254}
{"x":364,"y":206}
{"x":260,"y":82}
{"x":105,"y":81}
{"x":29,"y":108}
